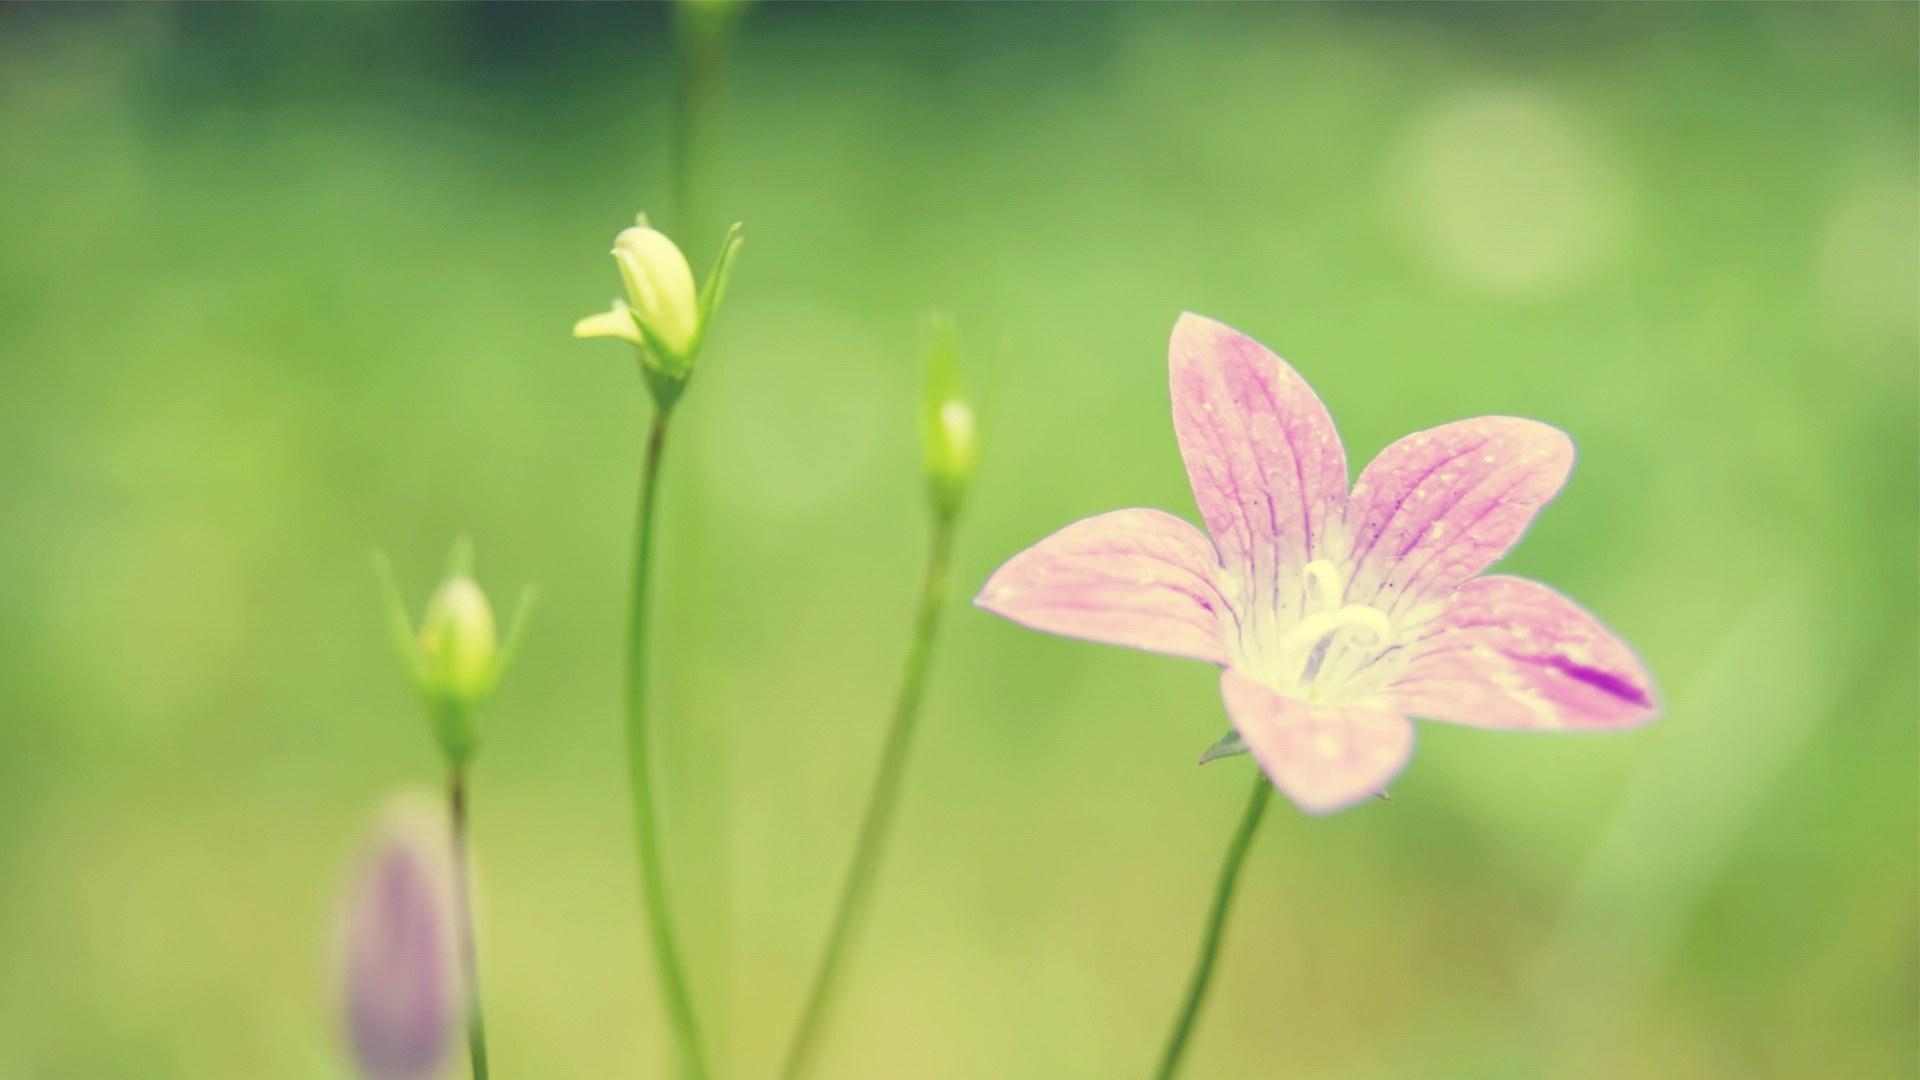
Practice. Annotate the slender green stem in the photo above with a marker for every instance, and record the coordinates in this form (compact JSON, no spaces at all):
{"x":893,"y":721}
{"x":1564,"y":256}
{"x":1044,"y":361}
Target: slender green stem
{"x":463,"y":889}
{"x":646,"y":831}
{"x":701,"y":35}
{"x":876,"y":825}
{"x":1216,"y":927}
{"x":697,"y":753}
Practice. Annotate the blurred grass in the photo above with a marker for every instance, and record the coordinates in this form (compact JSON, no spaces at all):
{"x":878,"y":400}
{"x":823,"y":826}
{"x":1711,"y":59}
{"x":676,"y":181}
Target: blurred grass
{"x":287,"y":282}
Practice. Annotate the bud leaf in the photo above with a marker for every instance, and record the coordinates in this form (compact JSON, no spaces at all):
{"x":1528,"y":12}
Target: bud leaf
{"x":517,"y":629}
{"x":406,"y":643}
{"x":715,"y":289}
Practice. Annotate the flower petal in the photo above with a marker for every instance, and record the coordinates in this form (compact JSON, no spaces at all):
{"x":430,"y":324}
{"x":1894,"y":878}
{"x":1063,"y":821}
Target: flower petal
{"x":1441,"y":505}
{"x":1141,"y":578}
{"x":1323,"y":757}
{"x":1267,"y":468}
{"x":1512,"y":653}
{"x":617,"y":322}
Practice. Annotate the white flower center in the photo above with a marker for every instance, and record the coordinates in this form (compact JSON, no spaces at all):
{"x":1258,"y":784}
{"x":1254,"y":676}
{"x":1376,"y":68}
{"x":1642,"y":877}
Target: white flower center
{"x":1333,"y":650}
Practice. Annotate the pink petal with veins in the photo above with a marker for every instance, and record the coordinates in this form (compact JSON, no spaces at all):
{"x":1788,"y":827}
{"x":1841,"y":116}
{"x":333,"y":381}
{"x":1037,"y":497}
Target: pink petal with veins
{"x":1439,"y":506}
{"x":1512,"y":653}
{"x":1323,"y":757}
{"x":1140,"y":578}
{"x":1266,"y":464}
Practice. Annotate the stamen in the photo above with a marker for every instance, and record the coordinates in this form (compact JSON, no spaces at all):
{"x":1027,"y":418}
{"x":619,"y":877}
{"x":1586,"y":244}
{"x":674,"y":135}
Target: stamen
{"x":1311,"y":669}
{"x":1371,"y":621}
{"x":1328,"y":639}
{"x":1316,"y":634}
{"x":1321,"y":582}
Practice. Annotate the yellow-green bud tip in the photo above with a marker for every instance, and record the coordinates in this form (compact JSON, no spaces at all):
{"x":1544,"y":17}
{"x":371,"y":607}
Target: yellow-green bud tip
{"x":458,"y":645}
{"x":948,"y":438}
{"x":660,"y":289}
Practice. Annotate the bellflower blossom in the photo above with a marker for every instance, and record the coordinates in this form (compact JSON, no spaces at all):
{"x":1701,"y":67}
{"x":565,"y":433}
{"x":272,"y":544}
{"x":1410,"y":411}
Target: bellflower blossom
{"x":1334,"y":615}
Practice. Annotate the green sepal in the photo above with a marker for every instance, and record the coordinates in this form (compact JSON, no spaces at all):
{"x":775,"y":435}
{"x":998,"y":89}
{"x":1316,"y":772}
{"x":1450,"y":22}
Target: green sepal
{"x":658,"y":360}
{"x":715,"y":288}
{"x":665,"y":388}
{"x":460,"y":558}
{"x":405,"y":640}
{"x":1229,"y":745}
{"x":516,"y":632}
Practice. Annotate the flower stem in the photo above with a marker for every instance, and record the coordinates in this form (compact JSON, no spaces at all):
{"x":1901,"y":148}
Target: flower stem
{"x":698,"y":751}
{"x":476,"y":1020}
{"x":653,"y":878}
{"x":1216,"y":927}
{"x":885,"y":795}
{"x":701,"y":36}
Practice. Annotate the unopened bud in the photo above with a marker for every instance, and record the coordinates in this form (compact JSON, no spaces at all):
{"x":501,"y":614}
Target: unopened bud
{"x":663,"y":314}
{"x":456,"y":658}
{"x":660,"y":289}
{"x":401,"y":985}
{"x":948,"y":439}
{"x":458,"y":644}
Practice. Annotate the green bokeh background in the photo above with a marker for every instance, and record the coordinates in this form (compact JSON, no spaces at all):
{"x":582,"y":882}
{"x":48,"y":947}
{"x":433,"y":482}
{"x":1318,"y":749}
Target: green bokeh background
{"x":282,"y":284}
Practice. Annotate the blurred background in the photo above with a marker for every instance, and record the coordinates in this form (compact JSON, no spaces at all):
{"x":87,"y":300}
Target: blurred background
{"x":286,"y":283}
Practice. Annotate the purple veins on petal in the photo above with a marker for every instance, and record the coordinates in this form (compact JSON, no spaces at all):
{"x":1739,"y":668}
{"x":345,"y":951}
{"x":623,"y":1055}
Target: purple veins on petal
{"x":1267,"y":467}
{"x":1439,"y":506}
{"x":1605,"y":682}
{"x":1140,"y":578}
{"x":1513,"y":653}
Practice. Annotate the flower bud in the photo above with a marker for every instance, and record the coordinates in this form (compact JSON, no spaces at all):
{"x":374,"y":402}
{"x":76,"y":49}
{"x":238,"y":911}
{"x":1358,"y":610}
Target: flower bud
{"x":660,"y":289}
{"x":946,"y":423}
{"x":456,"y":657}
{"x":457,"y":643}
{"x":401,"y":985}
{"x":663,"y":314}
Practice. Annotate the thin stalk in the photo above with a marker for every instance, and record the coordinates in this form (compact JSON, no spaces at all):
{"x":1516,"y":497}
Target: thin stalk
{"x":701,"y":34}
{"x":1216,"y":927}
{"x":697,"y":753}
{"x":476,"y":1020}
{"x":646,"y":830}
{"x":885,"y":796}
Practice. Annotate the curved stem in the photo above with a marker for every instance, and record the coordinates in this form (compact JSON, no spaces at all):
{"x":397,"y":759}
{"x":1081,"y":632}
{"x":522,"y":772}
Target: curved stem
{"x":1216,"y":926}
{"x":653,"y":878}
{"x":476,"y":1020}
{"x":876,"y":825}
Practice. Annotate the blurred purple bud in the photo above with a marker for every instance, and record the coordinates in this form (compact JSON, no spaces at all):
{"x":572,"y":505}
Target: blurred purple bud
{"x":401,"y":978}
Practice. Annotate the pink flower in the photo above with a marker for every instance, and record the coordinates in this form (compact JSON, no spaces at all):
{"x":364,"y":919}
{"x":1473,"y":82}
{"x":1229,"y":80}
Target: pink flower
{"x":1334,"y":615}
